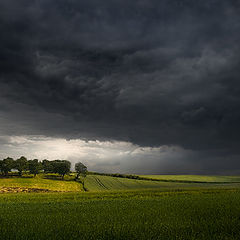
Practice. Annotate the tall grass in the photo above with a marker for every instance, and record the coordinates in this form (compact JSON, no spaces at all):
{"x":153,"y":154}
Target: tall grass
{"x":121,"y":215}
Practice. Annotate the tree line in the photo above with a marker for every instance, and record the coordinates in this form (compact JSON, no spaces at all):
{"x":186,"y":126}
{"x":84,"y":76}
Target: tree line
{"x":35,"y":166}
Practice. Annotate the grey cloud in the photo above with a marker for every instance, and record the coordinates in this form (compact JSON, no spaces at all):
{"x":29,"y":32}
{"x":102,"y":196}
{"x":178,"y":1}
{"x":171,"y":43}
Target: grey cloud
{"x":150,"y":72}
{"x":122,"y":157}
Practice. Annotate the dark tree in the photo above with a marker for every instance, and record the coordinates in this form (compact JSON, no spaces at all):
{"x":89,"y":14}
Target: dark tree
{"x":21,"y":164}
{"x":81,"y":169}
{"x":7,"y":165}
{"x":61,"y":167}
{"x":1,"y":163}
{"x":47,"y":166}
{"x":34,"y":166}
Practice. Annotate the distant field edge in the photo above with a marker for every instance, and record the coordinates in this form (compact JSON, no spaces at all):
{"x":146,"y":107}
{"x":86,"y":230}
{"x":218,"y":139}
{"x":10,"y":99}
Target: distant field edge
{"x":214,"y":179}
{"x":176,"y":178}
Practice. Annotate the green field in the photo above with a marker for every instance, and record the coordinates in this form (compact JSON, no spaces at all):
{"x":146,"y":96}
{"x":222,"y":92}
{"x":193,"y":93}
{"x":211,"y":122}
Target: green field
{"x":120,"y":208}
{"x":107,"y":183}
{"x":197,"y":178}
{"x":125,"y":215}
{"x":92,"y":183}
{"x":96,"y":183}
{"x":39,"y":182}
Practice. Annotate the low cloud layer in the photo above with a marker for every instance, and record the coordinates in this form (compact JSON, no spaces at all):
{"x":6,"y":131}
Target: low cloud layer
{"x":147,"y":72}
{"x":119,"y":156}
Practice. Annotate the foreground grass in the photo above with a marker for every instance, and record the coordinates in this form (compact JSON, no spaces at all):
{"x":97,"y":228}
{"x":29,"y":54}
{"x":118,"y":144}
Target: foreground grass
{"x":152,"y":214}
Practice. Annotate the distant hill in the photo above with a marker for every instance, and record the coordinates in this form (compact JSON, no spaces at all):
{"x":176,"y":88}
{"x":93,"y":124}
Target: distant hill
{"x":115,"y":182}
{"x":195,"y":178}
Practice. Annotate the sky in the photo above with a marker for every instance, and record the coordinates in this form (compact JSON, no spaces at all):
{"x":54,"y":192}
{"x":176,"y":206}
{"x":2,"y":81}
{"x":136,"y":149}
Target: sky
{"x":141,"y":86}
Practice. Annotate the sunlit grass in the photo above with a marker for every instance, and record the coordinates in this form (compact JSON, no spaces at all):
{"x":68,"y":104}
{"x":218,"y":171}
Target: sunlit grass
{"x":40,"y":182}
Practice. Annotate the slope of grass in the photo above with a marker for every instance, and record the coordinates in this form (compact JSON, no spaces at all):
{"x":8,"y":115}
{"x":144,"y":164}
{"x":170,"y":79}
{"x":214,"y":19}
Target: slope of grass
{"x":106,"y":183}
{"x":103,"y":183}
{"x":124,"y":215}
{"x":39,"y":182}
{"x":197,"y":178}
{"x":119,"y":208}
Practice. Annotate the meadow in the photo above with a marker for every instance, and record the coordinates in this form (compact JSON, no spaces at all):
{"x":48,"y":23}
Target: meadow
{"x":119,"y":208}
{"x":195,"y":178}
{"x":40,"y":182}
{"x":97,"y":183}
{"x":107,"y":183}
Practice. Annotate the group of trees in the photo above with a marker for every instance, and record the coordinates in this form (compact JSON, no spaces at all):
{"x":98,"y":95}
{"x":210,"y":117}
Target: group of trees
{"x":61,"y":167}
{"x":21,"y":164}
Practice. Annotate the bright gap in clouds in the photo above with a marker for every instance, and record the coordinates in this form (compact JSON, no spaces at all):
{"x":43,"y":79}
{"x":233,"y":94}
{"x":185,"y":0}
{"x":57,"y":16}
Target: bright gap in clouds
{"x":105,"y":156}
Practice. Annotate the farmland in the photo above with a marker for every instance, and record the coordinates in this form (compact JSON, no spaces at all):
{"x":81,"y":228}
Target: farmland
{"x":195,"y":178}
{"x":120,"y":208}
{"x":106,"y":183}
{"x":123,"y":215}
{"x":97,"y":183}
{"x":39,"y":182}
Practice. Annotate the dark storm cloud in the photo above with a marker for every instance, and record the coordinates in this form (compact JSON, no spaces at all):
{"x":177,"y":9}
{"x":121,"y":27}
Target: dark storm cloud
{"x":150,"y":72}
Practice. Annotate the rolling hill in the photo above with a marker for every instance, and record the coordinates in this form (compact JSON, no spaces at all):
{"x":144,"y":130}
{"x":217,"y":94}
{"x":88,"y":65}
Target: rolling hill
{"x":38,"y":184}
{"x":108,"y":183}
{"x":96,"y":183}
{"x":195,"y":178}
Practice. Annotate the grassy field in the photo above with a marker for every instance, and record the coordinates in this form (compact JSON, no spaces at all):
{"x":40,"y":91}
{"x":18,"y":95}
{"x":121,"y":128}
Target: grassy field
{"x":96,"y":183}
{"x":52,"y":183}
{"x":104,"y":183}
{"x":197,"y":178}
{"x":107,"y":183}
{"x":120,"y":208}
{"x":211,"y":214}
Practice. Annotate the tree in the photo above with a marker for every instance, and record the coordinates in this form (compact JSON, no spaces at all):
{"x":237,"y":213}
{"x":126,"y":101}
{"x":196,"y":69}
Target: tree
{"x":47,"y":166}
{"x":7,"y":165}
{"x":34,"y":166}
{"x":1,"y":163}
{"x":80,"y":168}
{"x":21,"y":165}
{"x":61,"y":167}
